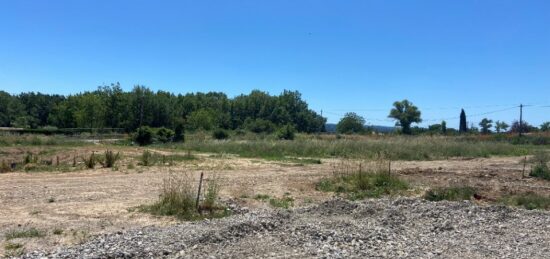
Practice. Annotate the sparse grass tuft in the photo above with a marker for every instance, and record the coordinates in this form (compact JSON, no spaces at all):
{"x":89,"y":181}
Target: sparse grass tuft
{"x":12,"y":246}
{"x":4,"y":167}
{"x":540,"y":168}
{"x":110,"y":158}
{"x":178,"y":199}
{"x":456,"y":193}
{"x":528,"y":201}
{"x":57,"y":231}
{"x":358,"y":184}
{"x":91,"y":161}
{"x":147,"y":158}
{"x":25,"y":233}
{"x":285,"y":202}
{"x":261,"y":197}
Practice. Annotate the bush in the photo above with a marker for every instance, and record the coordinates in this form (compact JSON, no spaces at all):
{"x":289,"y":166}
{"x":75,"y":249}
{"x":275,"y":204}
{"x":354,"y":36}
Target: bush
{"x":259,"y":125}
{"x":164,"y":135}
{"x":179,"y":133}
{"x":110,"y":159}
{"x":540,"y":168}
{"x":25,"y":233}
{"x":450,"y":193}
{"x":220,"y":134}
{"x":286,"y":132}
{"x":144,"y":136}
{"x":4,"y":167}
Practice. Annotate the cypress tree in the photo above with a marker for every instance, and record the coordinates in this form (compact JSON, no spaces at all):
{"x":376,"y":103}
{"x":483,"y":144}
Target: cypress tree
{"x":463,"y":128}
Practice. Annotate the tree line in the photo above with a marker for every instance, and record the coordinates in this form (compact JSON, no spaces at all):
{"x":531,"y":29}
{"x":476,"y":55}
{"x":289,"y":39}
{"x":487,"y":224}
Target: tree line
{"x":112,"y":107}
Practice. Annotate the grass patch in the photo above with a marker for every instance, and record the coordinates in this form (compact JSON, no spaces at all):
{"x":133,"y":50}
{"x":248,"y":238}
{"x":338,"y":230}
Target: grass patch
{"x":530,"y":201}
{"x":12,"y":246}
{"x":26,"y":233}
{"x":359,"y":185}
{"x":457,"y":193}
{"x":149,"y":158}
{"x":57,"y":231}
{"x":285,"y":202}
{"x":397,"y":147}
{"x":540,"y":168}
{"x":261,"y":197}
{"x":178,"y":199}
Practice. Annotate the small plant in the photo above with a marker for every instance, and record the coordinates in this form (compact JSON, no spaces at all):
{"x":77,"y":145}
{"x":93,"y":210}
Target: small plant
{"x":212,"y":193}
{"x":91,"y":161}
{"x":457,"y":193}
{"x":528,"y":201}
{"x":30,"y":158}
{"x":13,"y":249}
{"x":131,"y":166}
{"x":285,"y":202}
{"x":220,"y":134}
{"x":147,"y":158}
{"x":57,"y":231}
{"x":110,"y":159}
{"x":261,"y":197}
{"x":12,"y":246}
{"x":51,"y":200}
{"x":286,"y":132}
{"x":25,"y":233}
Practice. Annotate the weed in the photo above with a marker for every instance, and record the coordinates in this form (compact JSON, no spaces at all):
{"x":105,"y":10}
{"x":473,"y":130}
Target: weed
{"x":359,"y":184}
{"x":131,"y":166}
{"x":456,"y":193}
{"x":51,"y":200}
{"x":110,"y":159}
{"x":212,"y":192}
{"x":261,"y":197}
{"x":91,"y":161}
{"x":57,"y":231}
{"x":13,"y":249}
{"x":12,"y":246}
{"x":4,"y":167}
{"x":25,"y":233}
{"x":285,"y":202}
{"x":147,"y":158}
{"x":528,"y":201}
{"x":540,"y":168}
{"x":220,"y":134}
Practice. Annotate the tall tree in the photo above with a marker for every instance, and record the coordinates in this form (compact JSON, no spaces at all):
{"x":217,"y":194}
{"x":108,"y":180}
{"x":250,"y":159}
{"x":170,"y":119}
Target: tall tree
{"x":545,"y":126}
{"x":501,"y":126}
{"x":351,"y":123}
{"x":405,"y":113}
{"x":486,"y":125}
{"x":444,"y":127}
{"x":462,"y":127}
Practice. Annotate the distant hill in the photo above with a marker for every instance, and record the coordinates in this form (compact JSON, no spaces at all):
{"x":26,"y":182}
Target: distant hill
{"x":331,"y":127}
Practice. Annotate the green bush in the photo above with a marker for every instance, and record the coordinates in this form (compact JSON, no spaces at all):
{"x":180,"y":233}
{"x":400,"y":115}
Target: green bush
{"x":540,"y":169}
{"x":147,"y":158}
{"x":91,"y":161}
{"x":179,"y":133}
{"x":286,"y":132}
{"x":164,"y":135}
{"x":144,"y":136}
{"x":450,"y":193}
{"x":220,"y":134}
{"x":259,"y":125}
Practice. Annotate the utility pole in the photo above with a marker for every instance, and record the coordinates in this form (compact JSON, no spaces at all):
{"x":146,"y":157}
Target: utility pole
{"x":520,"y":119}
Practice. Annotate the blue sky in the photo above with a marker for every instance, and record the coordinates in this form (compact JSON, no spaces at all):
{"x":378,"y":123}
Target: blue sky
{"x":341,"y":55}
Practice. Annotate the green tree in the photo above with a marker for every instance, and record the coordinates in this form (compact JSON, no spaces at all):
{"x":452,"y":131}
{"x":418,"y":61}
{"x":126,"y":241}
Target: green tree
{"x":202,"y":119}
{"x":405,"y":113}
{"x":501,"y":126}
{"x":486,"y":125}
{"x":443,"y":127}
{"x":463,"y":128}
{"x":545,"y":126}
{"x":351,"y":123}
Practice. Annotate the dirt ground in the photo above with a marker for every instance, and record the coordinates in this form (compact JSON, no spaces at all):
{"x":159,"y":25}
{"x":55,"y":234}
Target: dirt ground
{"x":84,"y":203}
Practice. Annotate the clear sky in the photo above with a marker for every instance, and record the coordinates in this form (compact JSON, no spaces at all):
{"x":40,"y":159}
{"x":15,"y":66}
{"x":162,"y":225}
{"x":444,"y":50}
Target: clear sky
{"x":484,"y":55}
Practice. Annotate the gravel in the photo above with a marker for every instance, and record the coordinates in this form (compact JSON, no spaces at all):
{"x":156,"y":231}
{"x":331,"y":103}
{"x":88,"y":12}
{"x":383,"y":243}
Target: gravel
{"x":379,"y":228}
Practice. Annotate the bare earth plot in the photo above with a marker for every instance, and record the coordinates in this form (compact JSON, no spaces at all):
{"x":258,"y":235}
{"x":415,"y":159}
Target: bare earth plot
{"x":81,"y":206}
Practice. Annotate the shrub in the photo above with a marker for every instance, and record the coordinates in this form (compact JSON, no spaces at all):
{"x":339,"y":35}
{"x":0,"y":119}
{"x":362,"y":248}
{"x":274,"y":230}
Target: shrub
{"x":285,"y":202}
{"x":450,"y":193}
{"x":179,"y":133}
{"x":286,"y":132}
{"x":212,"y":193}
{"x":259,"y":125}
{"x":165,"y":135}
{"x":110,"y":159}
{"x":144,"y":136}
{"x":220,"y":134}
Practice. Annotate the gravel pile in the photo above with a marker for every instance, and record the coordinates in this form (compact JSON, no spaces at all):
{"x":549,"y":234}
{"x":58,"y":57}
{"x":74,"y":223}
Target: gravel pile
{"x":387,"y":228}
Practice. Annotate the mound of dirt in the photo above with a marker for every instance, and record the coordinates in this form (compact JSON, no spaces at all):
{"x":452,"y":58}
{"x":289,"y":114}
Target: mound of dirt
{"x":389,"y":228}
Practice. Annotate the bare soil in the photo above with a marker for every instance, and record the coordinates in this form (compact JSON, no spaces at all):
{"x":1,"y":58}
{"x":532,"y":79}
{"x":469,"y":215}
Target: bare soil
{"x":84,"y":203}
